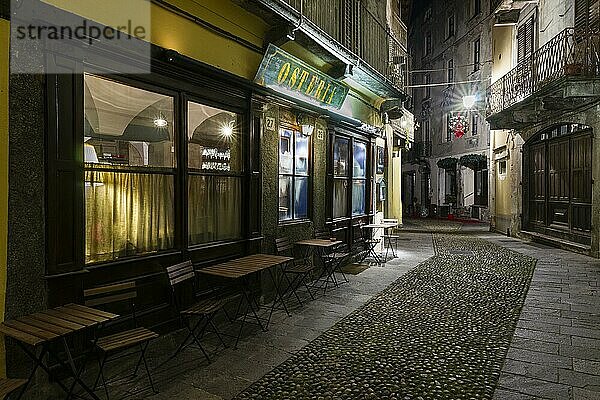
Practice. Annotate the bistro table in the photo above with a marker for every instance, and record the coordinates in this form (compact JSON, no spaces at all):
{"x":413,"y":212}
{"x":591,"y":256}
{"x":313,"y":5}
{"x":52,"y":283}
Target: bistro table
{"x":40,"y":330}
{"x":321,"y":246}
{"x":373,"y":228}
{"x":241,"y":269}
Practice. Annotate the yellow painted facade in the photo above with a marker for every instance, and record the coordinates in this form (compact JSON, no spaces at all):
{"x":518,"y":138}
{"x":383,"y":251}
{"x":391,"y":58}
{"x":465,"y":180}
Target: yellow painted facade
{"x":4,"y":60}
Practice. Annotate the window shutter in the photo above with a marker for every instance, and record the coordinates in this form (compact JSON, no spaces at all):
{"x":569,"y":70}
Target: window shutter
{"x":594,"y":16}
{"x":581,"y":10}
{"x":521,"y":40}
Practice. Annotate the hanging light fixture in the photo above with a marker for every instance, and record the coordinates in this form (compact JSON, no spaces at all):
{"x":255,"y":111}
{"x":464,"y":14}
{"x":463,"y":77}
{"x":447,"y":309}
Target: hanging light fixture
{"x":307,"y":126}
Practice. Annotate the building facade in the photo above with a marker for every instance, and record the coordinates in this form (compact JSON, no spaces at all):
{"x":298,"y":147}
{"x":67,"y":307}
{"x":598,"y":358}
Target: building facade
{"x":543,"y":108}
{"x":445,"y":171}
{"x":259,"y":119}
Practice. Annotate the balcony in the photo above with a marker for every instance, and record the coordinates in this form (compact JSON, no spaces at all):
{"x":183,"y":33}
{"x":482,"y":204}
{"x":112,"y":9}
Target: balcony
{"x":560,"y":76}
{"x":419,"y":152}
{"x":358,"y":44}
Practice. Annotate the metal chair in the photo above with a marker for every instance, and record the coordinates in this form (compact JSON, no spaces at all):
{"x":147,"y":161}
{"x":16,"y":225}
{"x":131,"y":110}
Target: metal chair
{"x":190,"y":304}
{"x":109,"y":346}
{"x":336,"y":257}
{"x":299,"y":268}
{"x":389,"y":238}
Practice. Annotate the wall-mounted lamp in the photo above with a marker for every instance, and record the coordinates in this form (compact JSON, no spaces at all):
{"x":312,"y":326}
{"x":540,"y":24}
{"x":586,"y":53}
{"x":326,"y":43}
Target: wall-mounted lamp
{"x":469,"y":101}
{"x":306,"y":124}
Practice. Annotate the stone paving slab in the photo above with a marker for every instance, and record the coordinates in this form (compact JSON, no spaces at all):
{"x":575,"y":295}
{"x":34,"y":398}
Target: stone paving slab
{"x":558,"y":330}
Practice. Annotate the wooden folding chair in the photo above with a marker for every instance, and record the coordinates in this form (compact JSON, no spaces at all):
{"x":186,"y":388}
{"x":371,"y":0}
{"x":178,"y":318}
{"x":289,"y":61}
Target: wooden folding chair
{"x":8,"y":386}
{"x":300,"y":269}
{"x":191,"y":304}
{"x":109,"y":346}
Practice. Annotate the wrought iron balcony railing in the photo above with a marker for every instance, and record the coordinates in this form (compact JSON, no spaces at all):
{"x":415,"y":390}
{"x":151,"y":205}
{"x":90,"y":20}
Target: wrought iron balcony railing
{"x":357,"y":29}
{"x":569,"y":53}
{"x":419,"y":151}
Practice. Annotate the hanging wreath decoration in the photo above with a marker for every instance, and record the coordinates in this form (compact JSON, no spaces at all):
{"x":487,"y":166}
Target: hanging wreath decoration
{"x":474,"y":161}
{"x":447,"y":163}
{"x":458,"y":125}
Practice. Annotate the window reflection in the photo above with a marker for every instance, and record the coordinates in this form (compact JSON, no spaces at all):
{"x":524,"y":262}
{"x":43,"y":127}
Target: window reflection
{"x":359,"y":160}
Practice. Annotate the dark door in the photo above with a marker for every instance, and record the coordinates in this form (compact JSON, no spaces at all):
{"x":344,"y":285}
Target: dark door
{"x":560,"y":185}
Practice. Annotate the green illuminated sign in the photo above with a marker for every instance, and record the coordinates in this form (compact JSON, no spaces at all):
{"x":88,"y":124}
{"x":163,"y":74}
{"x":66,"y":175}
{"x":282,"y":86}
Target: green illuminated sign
{"x":285,"y":73}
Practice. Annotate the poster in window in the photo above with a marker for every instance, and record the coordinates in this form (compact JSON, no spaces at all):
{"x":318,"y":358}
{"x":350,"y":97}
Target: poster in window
{"x":380,"y":159}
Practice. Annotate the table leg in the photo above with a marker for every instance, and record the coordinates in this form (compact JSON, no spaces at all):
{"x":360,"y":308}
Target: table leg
{"x":277,"y":295}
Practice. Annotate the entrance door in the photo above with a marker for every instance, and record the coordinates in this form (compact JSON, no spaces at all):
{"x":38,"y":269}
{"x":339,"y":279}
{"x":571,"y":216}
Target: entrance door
{"x":559,"y":162}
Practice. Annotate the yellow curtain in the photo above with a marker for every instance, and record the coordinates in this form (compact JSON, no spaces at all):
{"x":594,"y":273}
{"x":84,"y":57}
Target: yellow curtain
{"x":214,"y":208}
{"x":127,"y":214}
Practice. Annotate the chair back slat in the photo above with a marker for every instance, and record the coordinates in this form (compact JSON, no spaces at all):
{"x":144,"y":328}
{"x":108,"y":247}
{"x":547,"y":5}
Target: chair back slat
{"x":109,"y":294}
{"x":322,"y":235}
{"x":284,"y":246}
{"x":180,"y":272}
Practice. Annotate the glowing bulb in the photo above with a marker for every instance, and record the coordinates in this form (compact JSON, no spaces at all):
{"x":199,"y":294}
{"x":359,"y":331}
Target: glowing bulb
{"x":227,"y":130}
{"x":469,"y":101}
{"x":160,"y":122}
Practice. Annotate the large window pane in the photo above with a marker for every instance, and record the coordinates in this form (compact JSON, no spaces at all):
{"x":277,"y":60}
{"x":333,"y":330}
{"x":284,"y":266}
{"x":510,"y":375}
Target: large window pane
{"x":340,"y":198}
{"x":301,"y":156}
{"x":360,"y":160}
{"x":214,"y":139}
{"x":285,"y":198}
{"x":294,"y":169}
{"x":301,"y":198}
{"x":340,"y":157}
{"x":125,"y":125}
{"x":286,"y":150}
{"x":214,"y":210}
{"x":127,"y":214}
{"x":358,"y":197}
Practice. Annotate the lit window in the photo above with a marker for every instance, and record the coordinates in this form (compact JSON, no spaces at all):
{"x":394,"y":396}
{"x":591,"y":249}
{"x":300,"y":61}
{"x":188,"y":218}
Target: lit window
{"x":214,"y":174}
{"x":294,"y":169}
{"x":129,"y":160}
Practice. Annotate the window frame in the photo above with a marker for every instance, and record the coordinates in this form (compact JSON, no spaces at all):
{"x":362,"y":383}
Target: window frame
{"x":427,"y":88}
{"x":450,"y":26}
{"x":241,"y":174}
{"x":181,"y":95}
{"x":428,"y":48}
{"x":474,"y":124}
{"x":450,"y":70}
{"x":293,"y":175}
{"x":173,"y":171}
{"x":477,"y":54}
{"x":349,"y":178}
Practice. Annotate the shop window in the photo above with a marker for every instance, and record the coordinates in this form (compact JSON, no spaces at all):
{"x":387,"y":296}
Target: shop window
{"x":349,"y":185}
{"x":294,"y":175}
{"x":359,"y":181}
{"x":341,"y":172}
{"x":129,"y":162}
{"x":214,"y":143}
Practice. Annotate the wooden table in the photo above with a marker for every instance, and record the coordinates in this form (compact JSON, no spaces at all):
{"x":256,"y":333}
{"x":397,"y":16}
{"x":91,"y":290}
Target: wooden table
{"x":322,"y":245}
{"x":39,"y":330}
{"x":241,"y":269}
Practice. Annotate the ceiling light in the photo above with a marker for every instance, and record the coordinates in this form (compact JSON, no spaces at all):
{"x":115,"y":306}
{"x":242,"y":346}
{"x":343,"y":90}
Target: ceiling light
{"x":160,"y":122}
{"x":227,"y":130}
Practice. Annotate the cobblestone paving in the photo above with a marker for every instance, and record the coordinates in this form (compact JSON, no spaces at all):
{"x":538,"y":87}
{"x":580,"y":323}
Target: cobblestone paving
{"x":441,"y":331}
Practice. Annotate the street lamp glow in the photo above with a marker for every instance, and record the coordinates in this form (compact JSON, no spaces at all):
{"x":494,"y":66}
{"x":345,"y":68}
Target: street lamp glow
{"x":469,"y":101}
